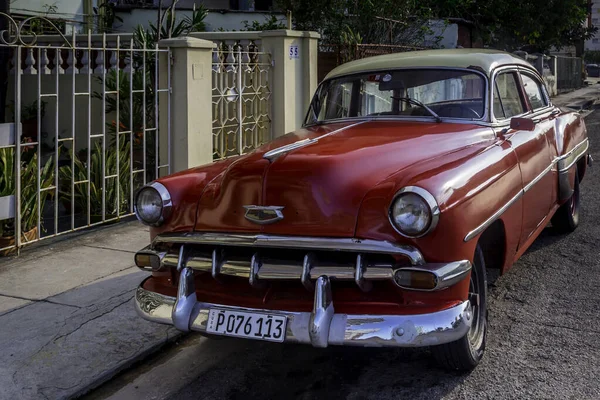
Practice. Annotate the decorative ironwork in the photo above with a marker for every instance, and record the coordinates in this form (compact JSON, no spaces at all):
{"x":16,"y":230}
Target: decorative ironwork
{"x":241,"y":97}
{"x":22,"y":31}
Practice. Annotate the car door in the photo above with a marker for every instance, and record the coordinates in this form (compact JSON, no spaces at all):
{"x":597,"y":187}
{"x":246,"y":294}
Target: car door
{"x":511,"y":100}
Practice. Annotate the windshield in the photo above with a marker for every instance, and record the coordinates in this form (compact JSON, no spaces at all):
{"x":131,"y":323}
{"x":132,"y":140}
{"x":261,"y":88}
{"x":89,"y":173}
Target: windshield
{"x":401,"y":93}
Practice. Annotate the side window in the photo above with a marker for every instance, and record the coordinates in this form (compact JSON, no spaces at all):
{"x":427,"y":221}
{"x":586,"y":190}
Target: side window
{"x":507,"y":100}
{"x":533,"y":90}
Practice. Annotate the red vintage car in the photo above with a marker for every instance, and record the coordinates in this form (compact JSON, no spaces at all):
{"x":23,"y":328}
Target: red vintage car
{"x":375,"y":223}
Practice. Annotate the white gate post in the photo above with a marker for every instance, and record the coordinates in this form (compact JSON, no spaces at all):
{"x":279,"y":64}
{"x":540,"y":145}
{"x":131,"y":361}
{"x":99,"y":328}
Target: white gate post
{"x":191,"y":102}
{"x":294,"y":76}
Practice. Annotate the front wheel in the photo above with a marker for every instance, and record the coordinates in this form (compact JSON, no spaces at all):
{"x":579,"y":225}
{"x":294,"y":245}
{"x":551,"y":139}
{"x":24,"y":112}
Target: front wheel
{"x":465,"y":353}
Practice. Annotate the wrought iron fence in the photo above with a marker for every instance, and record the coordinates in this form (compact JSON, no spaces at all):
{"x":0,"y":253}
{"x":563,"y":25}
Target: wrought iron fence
{"x":86,"y":124}
{"x":241,"y":97}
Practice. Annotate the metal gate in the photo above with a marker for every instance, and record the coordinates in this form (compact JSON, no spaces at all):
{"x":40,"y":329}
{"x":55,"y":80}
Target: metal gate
{"x":241,"y":97}
{"x":86,"y":123}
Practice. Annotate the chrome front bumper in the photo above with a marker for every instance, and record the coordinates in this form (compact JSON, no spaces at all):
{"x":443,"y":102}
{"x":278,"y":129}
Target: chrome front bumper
{"x":322,"y":326}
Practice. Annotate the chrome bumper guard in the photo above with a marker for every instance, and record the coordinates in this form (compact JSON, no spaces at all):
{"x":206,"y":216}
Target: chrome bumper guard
{"x":322,"y":326}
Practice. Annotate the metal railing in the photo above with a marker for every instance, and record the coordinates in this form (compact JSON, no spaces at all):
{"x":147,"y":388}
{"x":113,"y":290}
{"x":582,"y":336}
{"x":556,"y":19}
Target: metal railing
{"x":86,"y":131}
{"x":241,"y":96}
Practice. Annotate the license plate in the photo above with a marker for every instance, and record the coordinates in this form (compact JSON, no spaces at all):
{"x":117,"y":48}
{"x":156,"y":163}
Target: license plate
{"x":246,"y":325}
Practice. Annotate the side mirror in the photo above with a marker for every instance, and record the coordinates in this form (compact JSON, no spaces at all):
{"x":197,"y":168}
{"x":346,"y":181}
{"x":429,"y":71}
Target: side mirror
{"x":522,"y":124}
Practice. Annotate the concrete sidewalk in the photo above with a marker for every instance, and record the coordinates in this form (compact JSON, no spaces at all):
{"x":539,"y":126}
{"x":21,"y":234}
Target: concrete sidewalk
{"x":67,"y":320}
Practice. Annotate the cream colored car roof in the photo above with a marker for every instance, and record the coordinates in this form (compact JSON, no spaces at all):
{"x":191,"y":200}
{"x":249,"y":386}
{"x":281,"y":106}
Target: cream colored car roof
{"x":484,"y":60}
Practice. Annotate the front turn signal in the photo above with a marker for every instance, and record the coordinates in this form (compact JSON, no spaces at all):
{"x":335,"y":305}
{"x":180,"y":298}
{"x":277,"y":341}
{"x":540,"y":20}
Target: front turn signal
{"x":415,"y":279}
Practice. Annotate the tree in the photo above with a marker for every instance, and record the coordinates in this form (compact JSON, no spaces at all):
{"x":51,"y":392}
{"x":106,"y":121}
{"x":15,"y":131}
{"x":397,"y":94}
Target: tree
{"x":375,"y":21}
{"x":533,"y":25}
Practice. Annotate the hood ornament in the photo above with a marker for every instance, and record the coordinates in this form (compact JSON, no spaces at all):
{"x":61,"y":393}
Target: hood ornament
{"x":264,"y":215}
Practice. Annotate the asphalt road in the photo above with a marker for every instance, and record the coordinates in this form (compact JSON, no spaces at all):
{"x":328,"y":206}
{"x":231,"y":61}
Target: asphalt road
{"x":543,"y":341}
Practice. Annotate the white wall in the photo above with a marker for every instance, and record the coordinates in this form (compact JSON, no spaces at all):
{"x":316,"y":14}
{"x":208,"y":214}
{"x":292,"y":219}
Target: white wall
{"x":70,"y":10}
{"x":229,"y":21}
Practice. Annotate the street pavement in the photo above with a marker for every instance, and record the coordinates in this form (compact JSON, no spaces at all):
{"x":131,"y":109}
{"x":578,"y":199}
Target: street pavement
{"x":543,"y":342}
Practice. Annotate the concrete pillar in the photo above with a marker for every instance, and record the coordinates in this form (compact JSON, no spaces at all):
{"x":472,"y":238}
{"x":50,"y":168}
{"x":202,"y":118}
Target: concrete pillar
{"x":293,"y":76}
{"x":191,"y":102}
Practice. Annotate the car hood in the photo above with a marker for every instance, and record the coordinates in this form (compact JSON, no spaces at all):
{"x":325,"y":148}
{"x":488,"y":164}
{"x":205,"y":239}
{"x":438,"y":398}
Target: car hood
{"x":321,"y":184}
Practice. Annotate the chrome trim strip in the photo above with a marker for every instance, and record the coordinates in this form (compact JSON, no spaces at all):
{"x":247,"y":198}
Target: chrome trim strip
{"x":429,"y":199}
{"x":538,"y":178}
{"x":572,"y":156}
{"x":295,"y":242}
{"x":493,"y":218}
{"x":344,"y":329}
{"x":273,"y":154}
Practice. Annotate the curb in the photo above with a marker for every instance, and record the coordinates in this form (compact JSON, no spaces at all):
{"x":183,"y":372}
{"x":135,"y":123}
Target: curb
{"x":125,"y":365}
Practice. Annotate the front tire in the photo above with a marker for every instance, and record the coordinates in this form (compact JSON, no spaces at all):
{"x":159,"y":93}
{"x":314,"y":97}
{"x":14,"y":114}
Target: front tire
{"x":465,"y":353}
{"x":566,"y":218}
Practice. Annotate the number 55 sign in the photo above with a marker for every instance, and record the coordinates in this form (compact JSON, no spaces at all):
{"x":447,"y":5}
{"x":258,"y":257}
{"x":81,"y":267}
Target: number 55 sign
{"x":294,"y":52}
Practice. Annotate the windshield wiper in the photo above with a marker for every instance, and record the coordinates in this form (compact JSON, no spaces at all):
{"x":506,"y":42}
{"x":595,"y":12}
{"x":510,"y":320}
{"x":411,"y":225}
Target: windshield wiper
{"x":419,"y":104}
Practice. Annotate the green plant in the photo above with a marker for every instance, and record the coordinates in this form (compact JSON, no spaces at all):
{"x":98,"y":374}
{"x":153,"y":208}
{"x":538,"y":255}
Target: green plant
{"x":120,"y":185}
{"x":29,"y":111}
{"x":29,"y":192}
{"x":270,"y":24}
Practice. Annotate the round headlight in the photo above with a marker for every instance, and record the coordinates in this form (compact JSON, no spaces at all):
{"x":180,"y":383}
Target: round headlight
{"x":414,"y":212}
{"x":152,"y":204}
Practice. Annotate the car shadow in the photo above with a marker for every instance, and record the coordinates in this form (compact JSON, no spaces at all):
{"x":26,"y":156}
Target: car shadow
{"x":266,"y":370}
{"x":546,"y":238}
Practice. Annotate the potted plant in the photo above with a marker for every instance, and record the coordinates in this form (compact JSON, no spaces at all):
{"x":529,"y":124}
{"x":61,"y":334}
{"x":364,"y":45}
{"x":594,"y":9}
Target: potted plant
{"x":29,"y":193}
